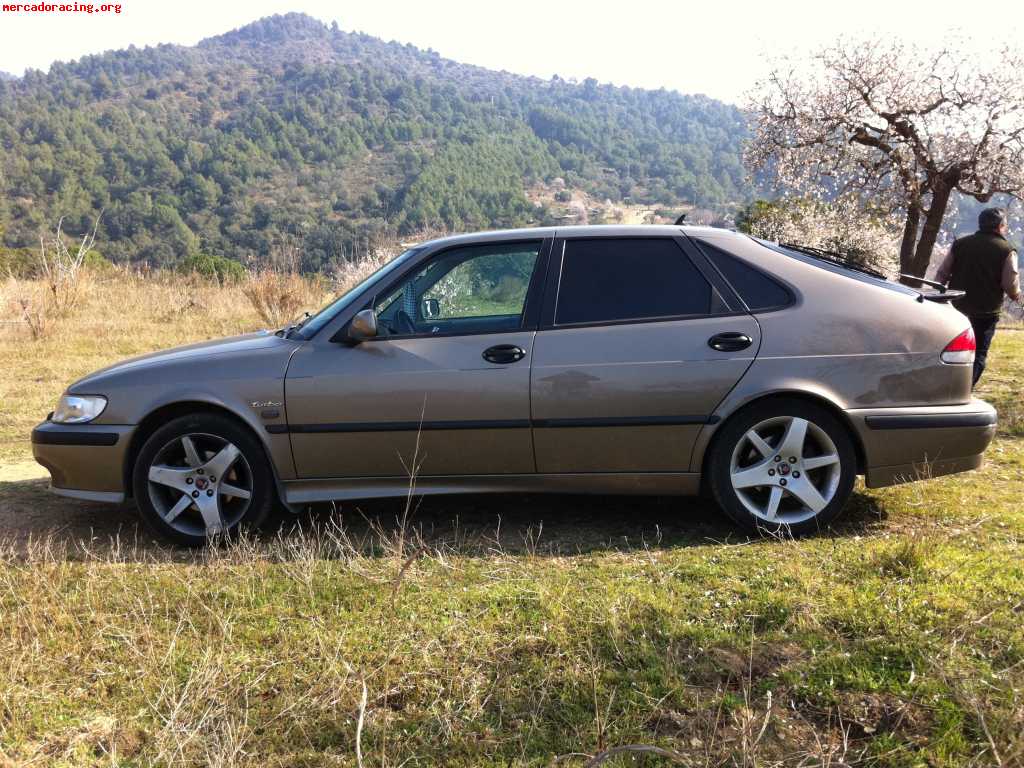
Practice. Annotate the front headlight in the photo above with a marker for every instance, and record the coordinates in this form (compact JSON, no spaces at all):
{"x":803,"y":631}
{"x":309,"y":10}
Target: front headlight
{"x":78,"y":409}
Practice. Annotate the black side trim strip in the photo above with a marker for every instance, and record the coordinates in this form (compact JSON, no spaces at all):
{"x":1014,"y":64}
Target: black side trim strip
{"x":413,"y":426}
{"x":48,"y":437}
{"x":930,"y":421}
{"x":408,"y":426}
{"x":624,"y":421}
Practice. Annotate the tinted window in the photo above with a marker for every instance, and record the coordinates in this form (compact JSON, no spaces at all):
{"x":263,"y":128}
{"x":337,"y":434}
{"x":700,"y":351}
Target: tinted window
{"x":621,"y":279}
{"x":839,"y":268}
{"x":756,"y":289}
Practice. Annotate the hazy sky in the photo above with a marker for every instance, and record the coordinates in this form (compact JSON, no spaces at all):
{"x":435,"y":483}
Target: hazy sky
{"x":717,"y":48}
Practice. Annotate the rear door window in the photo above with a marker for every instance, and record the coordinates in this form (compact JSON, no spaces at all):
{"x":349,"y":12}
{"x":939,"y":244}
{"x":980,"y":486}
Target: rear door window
{"x":621,"y":279}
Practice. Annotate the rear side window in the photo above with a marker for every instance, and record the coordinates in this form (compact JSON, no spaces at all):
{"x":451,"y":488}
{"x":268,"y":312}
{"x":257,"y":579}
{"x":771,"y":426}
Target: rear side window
{"x":757,"y":290}
{"x":612,"y":279}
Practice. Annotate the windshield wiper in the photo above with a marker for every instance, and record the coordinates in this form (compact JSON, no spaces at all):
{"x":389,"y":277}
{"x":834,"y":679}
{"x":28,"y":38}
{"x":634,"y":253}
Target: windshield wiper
{"x":833,"y":258}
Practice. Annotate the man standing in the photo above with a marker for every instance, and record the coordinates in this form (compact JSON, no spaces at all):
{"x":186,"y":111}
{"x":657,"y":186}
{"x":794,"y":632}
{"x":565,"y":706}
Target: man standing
{"x":984,"y":265}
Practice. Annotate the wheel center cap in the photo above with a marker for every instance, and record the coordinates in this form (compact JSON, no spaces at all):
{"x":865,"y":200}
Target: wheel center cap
{"x":201,"y":483}
{"x":784,"y":469}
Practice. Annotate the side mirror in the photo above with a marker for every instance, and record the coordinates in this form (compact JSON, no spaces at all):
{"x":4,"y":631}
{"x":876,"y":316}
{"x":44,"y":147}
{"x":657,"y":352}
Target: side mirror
{"x":363,"y":326}
{"x":431,"y":308}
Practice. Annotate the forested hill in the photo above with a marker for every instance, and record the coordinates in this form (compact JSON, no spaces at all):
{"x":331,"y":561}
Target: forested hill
{"x":290,"y":131}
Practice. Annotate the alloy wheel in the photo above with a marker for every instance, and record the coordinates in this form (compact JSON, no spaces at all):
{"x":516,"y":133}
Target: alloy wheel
{"x":200,"y":484}
{"x":785,"y":470}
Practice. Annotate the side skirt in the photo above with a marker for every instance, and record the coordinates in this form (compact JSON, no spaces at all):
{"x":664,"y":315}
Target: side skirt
{"x":103,"y":497}
{"x":300,"y":492}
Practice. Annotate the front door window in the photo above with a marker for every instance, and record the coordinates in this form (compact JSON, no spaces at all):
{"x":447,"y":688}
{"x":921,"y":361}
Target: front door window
{"x":478,"y":289}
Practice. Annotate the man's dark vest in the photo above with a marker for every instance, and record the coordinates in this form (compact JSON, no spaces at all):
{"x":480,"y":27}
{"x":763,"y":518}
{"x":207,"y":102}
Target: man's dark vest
{"x":978,"y":261}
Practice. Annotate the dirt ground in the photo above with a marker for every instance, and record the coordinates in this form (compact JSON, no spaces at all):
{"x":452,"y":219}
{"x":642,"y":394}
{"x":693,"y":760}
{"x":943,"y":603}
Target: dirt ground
{"x":29,"y":511}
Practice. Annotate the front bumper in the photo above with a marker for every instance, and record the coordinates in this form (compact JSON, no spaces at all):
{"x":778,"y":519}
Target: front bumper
{"x":85,"y":461}
{"x":902,"y":445}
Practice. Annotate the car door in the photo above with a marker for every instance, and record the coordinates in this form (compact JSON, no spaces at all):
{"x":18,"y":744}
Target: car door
{"x":636,"y":349}
{"x":444,"y":387}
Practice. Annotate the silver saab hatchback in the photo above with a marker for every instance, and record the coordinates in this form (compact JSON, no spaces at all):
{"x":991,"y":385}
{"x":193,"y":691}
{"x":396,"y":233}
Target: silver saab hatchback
{"x":653,"y":360}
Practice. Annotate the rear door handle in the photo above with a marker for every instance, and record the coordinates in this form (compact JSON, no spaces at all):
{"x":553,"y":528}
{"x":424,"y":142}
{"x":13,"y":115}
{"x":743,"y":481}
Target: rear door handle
{"x":730,"y":341}
{"x":504,"y":354}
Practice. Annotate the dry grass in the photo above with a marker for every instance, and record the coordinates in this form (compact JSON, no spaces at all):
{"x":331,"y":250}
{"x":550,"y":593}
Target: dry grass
{"x":279,"y":294}
{"x":64,"y":280}
{"x":497,"y":631}
{"x":122,"y":313}
{"x":278,"y":297}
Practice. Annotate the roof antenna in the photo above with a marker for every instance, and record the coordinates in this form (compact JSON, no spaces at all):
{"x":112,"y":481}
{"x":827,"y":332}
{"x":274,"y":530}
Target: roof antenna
{"x":681,"y":220}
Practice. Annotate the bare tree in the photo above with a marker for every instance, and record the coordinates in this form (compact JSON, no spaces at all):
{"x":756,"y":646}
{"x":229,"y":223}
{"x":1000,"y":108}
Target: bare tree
{"x":896,"y":126}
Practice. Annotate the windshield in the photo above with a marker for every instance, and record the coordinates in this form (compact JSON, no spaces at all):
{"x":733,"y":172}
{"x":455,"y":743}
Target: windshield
{"x":325,"y":315}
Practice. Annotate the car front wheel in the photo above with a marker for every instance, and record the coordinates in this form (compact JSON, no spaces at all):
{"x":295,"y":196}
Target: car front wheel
{"x":202,"y":475}
{"x":783,"y":466}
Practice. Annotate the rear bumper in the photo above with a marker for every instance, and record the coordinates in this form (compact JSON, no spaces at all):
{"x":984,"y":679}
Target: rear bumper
{"x":85,"y":461}
{"x":906,"y":444}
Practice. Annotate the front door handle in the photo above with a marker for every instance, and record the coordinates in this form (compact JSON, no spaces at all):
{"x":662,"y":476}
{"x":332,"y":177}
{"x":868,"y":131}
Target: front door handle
{"x":730,"y":341}
{"x":504,"y":354}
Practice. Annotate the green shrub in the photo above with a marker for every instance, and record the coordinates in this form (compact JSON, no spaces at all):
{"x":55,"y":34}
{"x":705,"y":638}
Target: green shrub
{"x":17,"y":262}
{"x":209,"y":265}
{"x":23,"y":263}
{"x":95,"y":261}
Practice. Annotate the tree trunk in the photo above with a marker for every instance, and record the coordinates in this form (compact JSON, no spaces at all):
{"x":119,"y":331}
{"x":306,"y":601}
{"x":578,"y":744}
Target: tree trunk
{"x":930,"y":230}
{"x":910,"y":228}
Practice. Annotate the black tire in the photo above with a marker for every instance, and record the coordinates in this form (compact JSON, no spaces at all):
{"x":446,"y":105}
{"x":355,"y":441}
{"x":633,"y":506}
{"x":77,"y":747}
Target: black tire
{"x":249,"y":472}
{"x":731,"y":441}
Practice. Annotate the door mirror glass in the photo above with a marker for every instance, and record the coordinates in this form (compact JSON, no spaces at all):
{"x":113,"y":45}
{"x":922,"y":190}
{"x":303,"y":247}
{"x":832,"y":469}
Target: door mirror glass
{"x":431,"y":308}
{"x":363,"y":325}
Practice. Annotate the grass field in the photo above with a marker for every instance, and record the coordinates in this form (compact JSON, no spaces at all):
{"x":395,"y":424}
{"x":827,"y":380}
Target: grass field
{"x":505,"y":630}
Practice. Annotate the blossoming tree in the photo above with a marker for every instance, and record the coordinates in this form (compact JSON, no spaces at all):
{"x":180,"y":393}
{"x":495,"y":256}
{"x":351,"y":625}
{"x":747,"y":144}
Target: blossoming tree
{"x":896,"y":126}
{"x":841,"y":225}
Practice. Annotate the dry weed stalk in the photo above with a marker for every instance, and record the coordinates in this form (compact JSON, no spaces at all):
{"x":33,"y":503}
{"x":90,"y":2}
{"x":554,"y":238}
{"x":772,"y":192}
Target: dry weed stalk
{"x":359,"y":723}
{"x":389,"y":623}
{"x":63,"y":271}
{"x":36,"y":316}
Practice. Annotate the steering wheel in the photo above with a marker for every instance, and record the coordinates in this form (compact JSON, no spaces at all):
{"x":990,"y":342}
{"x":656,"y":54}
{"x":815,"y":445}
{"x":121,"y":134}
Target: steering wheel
{"x":404,"y":323}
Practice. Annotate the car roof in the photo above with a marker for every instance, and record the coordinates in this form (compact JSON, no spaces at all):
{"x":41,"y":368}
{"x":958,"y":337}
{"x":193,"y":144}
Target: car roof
{"x":591,"y":230}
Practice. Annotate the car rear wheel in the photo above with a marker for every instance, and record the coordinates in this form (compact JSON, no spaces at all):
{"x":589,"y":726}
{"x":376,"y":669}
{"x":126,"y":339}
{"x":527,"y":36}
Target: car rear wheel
{"x":200,"y":476}
{"x":783,"y":465}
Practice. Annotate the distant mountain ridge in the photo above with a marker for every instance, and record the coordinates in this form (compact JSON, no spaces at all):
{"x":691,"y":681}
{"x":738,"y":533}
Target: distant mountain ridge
{"x":291,"y":131}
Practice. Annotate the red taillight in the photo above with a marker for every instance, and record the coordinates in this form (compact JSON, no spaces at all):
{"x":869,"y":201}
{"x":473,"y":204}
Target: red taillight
{"x":961,"y":349}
